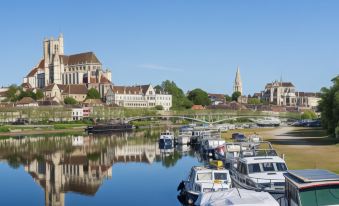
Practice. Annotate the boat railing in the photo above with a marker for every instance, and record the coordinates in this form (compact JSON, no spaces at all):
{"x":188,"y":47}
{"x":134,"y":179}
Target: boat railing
{"x":264,"y":182}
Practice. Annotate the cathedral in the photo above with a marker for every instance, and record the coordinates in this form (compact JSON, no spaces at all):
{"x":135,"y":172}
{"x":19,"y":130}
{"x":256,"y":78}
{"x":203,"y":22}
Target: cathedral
{"x":57,"y":68}
{"x":237,"y":82}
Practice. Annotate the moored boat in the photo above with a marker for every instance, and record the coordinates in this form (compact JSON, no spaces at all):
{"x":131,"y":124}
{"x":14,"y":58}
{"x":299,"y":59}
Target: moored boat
{"x":166,"y":140}
{"x":236,"y":197}
{"x":260,"y":169}
{"x":109,"y":127}
{"x":202,"y":179}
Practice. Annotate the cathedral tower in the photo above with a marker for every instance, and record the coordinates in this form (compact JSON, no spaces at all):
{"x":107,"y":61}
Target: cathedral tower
{"x":237,"y":82}
{"x":52,"y":51}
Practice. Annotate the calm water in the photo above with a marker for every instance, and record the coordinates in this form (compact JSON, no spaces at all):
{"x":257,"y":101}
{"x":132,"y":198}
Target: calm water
{"x":117,"y":169}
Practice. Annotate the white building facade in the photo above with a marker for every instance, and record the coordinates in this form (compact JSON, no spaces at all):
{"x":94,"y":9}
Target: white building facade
{"x":143,"y":96}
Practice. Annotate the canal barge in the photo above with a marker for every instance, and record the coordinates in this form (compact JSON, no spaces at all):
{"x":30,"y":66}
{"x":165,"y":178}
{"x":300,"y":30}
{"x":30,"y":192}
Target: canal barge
{"x":311,"y":187}
{"x":109,"y":127}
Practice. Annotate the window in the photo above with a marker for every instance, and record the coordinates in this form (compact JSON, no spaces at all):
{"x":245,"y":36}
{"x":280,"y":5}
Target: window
{"x":254,"y":168}
{"x":281,"y":167}
{"x":204,"y":176}
{"x":268,"y":167}
{"x":220,"y":176}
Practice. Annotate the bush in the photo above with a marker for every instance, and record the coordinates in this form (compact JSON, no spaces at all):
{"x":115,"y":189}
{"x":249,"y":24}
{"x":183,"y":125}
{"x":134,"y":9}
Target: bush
{"x":159,"y":107}
{"x":93,"y":94}
{"x":308,"y":114}
{"x":337,"y":131}
{"x":4,"y":129}
{"x":70,"y":100}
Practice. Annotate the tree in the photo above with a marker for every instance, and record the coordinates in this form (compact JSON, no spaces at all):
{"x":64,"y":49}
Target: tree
{"x":308,"y":114}
{"x":12,"y":93}
{"x":199,"y":97}
{"x":159,"y":107}
{"x":329,"y":106}
{"x":39,"y":94}
{"x":70,"y":101}
{"x":93,"y":94}
{"x":228,"y":98}
{"x":179,"y":100}
{"x":254,"y":101}
{"x":158,"y":89}
{"x":235,"y":96}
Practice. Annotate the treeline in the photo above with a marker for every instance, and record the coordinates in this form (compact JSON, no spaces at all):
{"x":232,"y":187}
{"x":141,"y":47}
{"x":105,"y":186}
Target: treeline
{"x":329,"y":107}
{"x":16,"y":93}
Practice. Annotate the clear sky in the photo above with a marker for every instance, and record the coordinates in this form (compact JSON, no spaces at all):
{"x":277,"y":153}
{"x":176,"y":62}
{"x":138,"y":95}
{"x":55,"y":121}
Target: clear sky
{"x":194,"y":43}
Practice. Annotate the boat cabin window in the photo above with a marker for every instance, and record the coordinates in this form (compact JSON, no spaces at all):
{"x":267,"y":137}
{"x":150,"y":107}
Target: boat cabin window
{"x":204,"y":176}
{"x":220,"y":176}
{"x":281,"y":166}
{"x":292,"y":194}
{"x":254,"y":168}
{"x":328,"y":195}
{"x":242,"y":168}
{"x":266,"y":167}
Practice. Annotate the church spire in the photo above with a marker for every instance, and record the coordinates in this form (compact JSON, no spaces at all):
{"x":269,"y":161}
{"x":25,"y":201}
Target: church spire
{"x":237,"y":82}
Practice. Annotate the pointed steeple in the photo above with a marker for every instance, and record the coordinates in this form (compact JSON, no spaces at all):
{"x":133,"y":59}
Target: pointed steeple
{"x":237,"y":82}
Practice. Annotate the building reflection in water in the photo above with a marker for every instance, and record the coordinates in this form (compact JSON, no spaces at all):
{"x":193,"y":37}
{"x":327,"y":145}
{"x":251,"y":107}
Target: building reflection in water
{"x":81,"y":163}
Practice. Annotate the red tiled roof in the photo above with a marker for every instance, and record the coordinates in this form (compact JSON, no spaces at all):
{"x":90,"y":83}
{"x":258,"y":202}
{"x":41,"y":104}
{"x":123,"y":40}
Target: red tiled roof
{"x":127,"y":89}
{"x":198,"y":107}
{"x":87,"y":57}
{"x":74,"y":89}
{"x":41,"y":65}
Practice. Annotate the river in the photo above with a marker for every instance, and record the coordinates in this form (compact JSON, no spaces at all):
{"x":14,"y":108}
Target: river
{"x":115,"y":169}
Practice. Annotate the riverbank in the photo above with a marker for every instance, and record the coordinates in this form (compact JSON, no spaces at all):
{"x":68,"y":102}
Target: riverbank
{"x":21,"y":130}
{"x":304,"y":148}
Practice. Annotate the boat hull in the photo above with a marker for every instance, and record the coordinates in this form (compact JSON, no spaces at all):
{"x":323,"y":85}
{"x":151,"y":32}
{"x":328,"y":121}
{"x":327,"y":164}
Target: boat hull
{"x":109,"y":128}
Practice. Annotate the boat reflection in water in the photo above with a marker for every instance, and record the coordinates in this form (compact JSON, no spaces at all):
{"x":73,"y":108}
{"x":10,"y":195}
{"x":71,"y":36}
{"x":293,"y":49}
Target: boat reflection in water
{"x":80,"y":164}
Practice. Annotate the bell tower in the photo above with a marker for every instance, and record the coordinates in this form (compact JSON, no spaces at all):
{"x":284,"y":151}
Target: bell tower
{"x":237,"y":82}
{"x":52,"y":50}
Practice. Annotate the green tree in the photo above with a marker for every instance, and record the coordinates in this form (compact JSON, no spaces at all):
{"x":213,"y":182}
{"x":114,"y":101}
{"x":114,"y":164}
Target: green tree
{"x":158,"y":89}
{"x":159,"y":107}
{"x":235,"y":96}
{"x":39,"y":94}
{"x":199,"y":97}
{"x":93,"y":94}
{"x":228,"y":98}
{"x":26,"y":94}
{"x":254,"y":101}
{"x":12,"y":93}
{"x":70,"y":101}
{"x":179,"y":100}
{"x":309,"y":114}
{"x":329,"y":106}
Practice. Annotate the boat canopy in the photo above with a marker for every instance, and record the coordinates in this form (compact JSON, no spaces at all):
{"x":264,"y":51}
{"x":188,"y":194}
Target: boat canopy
{"x":238,"y":197}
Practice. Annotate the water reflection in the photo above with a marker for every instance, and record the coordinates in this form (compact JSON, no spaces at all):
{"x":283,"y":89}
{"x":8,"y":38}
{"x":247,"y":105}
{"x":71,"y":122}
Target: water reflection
{"x":80,"y":164}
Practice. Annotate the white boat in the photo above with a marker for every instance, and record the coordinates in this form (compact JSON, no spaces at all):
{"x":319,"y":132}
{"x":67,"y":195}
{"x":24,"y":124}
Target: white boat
{"x":236,"y":197}
{"x":184,"y":138}
{"x":204,"y":179}
{"x":166,"y":140}
{"x":268,"y":122}
{"x":260,"y":169}
{"x":208,"y":146}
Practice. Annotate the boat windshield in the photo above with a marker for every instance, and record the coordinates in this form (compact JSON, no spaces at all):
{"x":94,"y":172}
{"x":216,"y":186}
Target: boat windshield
{"x":266,"y":167}
{"x":328,"y":195}
{"x":220,"y":176}
{"x":204,"y":176}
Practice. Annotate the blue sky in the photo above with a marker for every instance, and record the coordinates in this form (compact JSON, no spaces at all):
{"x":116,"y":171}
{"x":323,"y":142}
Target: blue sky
{"x":194,"y":43}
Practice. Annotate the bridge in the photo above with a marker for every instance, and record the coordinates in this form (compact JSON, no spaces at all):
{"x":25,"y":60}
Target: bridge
{"x":211,"y":119}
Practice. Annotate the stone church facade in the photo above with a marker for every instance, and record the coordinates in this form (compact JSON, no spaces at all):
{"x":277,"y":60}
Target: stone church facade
{"x":57,"y":68}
